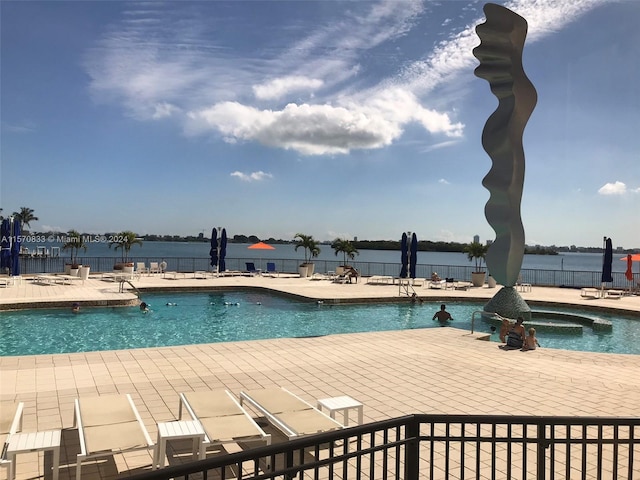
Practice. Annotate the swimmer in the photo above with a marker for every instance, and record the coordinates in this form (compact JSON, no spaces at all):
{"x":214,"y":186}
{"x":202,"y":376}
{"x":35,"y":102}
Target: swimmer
{"x":75,"y":308}
{"x":144,"y":307}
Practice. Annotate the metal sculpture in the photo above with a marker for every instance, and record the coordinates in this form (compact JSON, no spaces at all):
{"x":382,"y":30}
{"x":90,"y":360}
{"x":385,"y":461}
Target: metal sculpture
{"x":502,"y":39}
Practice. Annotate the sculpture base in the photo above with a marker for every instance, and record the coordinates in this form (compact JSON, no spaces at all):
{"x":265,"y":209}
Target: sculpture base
{"x":508,"y":303}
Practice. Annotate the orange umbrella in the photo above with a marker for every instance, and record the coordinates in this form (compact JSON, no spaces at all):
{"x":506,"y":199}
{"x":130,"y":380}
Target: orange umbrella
{"x":630,"y":259}
{"x":261,"y":246}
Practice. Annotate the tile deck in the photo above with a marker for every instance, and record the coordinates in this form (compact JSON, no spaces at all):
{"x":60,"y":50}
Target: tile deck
{"x":442,"y":370}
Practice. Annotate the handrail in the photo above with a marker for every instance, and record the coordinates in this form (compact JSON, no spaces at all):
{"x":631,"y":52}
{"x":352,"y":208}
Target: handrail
{"x":541,"y":447}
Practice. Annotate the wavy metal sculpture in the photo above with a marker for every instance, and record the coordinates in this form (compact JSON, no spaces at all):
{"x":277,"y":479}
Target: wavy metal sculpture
{"x":502,"y":39}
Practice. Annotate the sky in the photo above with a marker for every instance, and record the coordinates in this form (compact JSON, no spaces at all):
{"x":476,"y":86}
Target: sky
{"x":329,"y":118}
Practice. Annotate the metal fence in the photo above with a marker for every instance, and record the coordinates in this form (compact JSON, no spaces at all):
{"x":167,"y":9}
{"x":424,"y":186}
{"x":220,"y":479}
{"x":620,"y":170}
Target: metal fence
{"x":550,"y":278}
{"x":440,"y":447}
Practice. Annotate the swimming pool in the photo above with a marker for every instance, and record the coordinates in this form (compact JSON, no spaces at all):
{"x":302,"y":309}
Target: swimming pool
{"x":247,"y":315}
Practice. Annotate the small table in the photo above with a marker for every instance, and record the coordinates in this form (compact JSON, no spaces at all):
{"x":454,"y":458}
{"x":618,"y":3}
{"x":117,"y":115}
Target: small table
{"x":344,"y":404}
{"x":200,"y":274}
{"x":175,"y":431}
{"x":34,"y":442}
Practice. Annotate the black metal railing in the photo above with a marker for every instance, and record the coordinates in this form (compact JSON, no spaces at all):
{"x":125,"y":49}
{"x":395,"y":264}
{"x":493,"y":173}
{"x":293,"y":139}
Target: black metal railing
{"x":440,"y":447}
{"x":548,"y":278}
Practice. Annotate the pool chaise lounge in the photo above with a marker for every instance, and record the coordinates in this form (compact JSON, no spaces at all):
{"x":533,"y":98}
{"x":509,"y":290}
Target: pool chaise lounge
{"x":222,"y":417}
{"x":108,"y":425}
{"x":289,"y":413}
{"x":10,"y":424}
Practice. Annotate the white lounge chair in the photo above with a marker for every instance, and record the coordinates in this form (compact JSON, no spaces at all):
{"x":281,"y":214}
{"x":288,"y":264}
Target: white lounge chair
{"x":289,"y":413}
{"x":141,"y":269}
{"x":154,"y":267}
{"x":10,"y":424}
{"x":222,"y":417}
{"x":108,"y":425}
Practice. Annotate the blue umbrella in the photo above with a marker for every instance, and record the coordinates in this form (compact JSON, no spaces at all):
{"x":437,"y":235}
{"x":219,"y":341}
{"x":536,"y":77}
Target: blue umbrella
{"x":223,"y":250}
{"x":413,"y":258}
{"x":5,"y":244}
{"x":213,"y":253}
{"x":607,"y":261}
{"x":15,"y":249}
{"x":404,"y":255}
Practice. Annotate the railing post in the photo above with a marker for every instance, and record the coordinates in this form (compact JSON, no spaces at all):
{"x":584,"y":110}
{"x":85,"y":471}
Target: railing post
{"x":541,"y":453}
{"x":412,"y":450}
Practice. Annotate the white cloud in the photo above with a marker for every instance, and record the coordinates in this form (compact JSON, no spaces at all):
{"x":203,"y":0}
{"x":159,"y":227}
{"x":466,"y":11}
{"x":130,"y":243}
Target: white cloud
{"x":324,"y":129}
{"x":616,"y":188}
{"x":279,"y":87}
{"x":252,"y":177}
{"x":443,"y":182}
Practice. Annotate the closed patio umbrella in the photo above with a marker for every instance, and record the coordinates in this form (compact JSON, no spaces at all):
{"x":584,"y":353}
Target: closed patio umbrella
{"x":607,"y":261}
{"x":222,"y":266}
{"x":629,"y":259}
{"x":213,"y":253}
{"x":404,"y":256}
{"x":15,"y":249}
{"x":5,"y":244}
{"x":413,"y":258}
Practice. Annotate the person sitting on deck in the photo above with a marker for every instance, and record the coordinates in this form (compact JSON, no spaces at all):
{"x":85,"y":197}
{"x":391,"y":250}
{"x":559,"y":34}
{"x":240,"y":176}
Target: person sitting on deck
{"x":517,"y":335}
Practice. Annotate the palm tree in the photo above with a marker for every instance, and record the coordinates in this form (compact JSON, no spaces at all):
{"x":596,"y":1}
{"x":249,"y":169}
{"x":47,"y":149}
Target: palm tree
{"x":346,"y":248}
{"x":476,"y":251}
{"x":25,"y":216}
{"x":74,"y":243}
{"x":311,"y":249}
{"x":125,"y":240}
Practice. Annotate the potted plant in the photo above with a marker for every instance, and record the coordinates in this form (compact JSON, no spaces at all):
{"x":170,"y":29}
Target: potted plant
{"x":124,"y":241}
{"x":74,"y":243}
{"x":347,"y":249}
{"x":477,"y":251}
{"x":311,"y":250}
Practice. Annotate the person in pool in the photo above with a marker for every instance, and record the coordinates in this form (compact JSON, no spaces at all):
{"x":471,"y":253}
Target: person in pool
{"x":144,"y":307}
{"x":442,"y":315}
{"x":75,"y":308}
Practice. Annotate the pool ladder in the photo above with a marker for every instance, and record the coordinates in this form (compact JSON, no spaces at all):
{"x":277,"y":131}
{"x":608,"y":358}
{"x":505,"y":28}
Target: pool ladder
{"x":121,"y":290}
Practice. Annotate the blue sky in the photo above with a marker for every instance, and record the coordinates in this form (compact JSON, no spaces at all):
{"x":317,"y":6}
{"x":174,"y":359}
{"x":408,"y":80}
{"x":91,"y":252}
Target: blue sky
{"x":335,"y":119}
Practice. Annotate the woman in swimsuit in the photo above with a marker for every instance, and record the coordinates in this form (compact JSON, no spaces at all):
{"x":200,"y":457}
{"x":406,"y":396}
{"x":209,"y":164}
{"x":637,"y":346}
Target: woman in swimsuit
{"x":517,"y":335}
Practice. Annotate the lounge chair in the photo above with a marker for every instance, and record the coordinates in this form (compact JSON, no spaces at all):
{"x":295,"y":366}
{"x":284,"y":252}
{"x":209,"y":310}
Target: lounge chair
{"x":107,"y":425}
{"x":222,"y":417}
{"x":10,"y":423}
{"x":154,"y":267}
{"x":289,"y":413}
{"x":271,"y":269}
{"x":141,"y":269}
{"x":251,"y":268}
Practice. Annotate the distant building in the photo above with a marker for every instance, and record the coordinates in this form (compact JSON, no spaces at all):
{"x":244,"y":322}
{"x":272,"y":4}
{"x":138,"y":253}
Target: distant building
{"x":355,"y":239}
{"x":476,"y":238}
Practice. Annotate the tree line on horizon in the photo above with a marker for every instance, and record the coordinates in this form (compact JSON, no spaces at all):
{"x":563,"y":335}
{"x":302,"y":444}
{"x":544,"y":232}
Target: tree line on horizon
{"x":26,"y":215}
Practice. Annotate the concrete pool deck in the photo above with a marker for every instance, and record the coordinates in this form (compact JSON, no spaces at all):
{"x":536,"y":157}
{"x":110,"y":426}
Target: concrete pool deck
{"x":442,"y":370}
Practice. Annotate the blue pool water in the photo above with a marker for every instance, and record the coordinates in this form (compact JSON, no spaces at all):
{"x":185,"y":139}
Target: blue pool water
{"x":245,"y":315}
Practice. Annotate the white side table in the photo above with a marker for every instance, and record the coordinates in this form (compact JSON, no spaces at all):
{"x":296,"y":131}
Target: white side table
{"x":34,"y":442}
{"x":175,"y":431}
{"x":344,"y":404}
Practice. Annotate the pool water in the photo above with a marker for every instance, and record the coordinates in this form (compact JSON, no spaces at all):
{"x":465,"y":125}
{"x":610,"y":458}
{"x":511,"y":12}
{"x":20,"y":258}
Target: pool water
{"x":194,"y":318}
